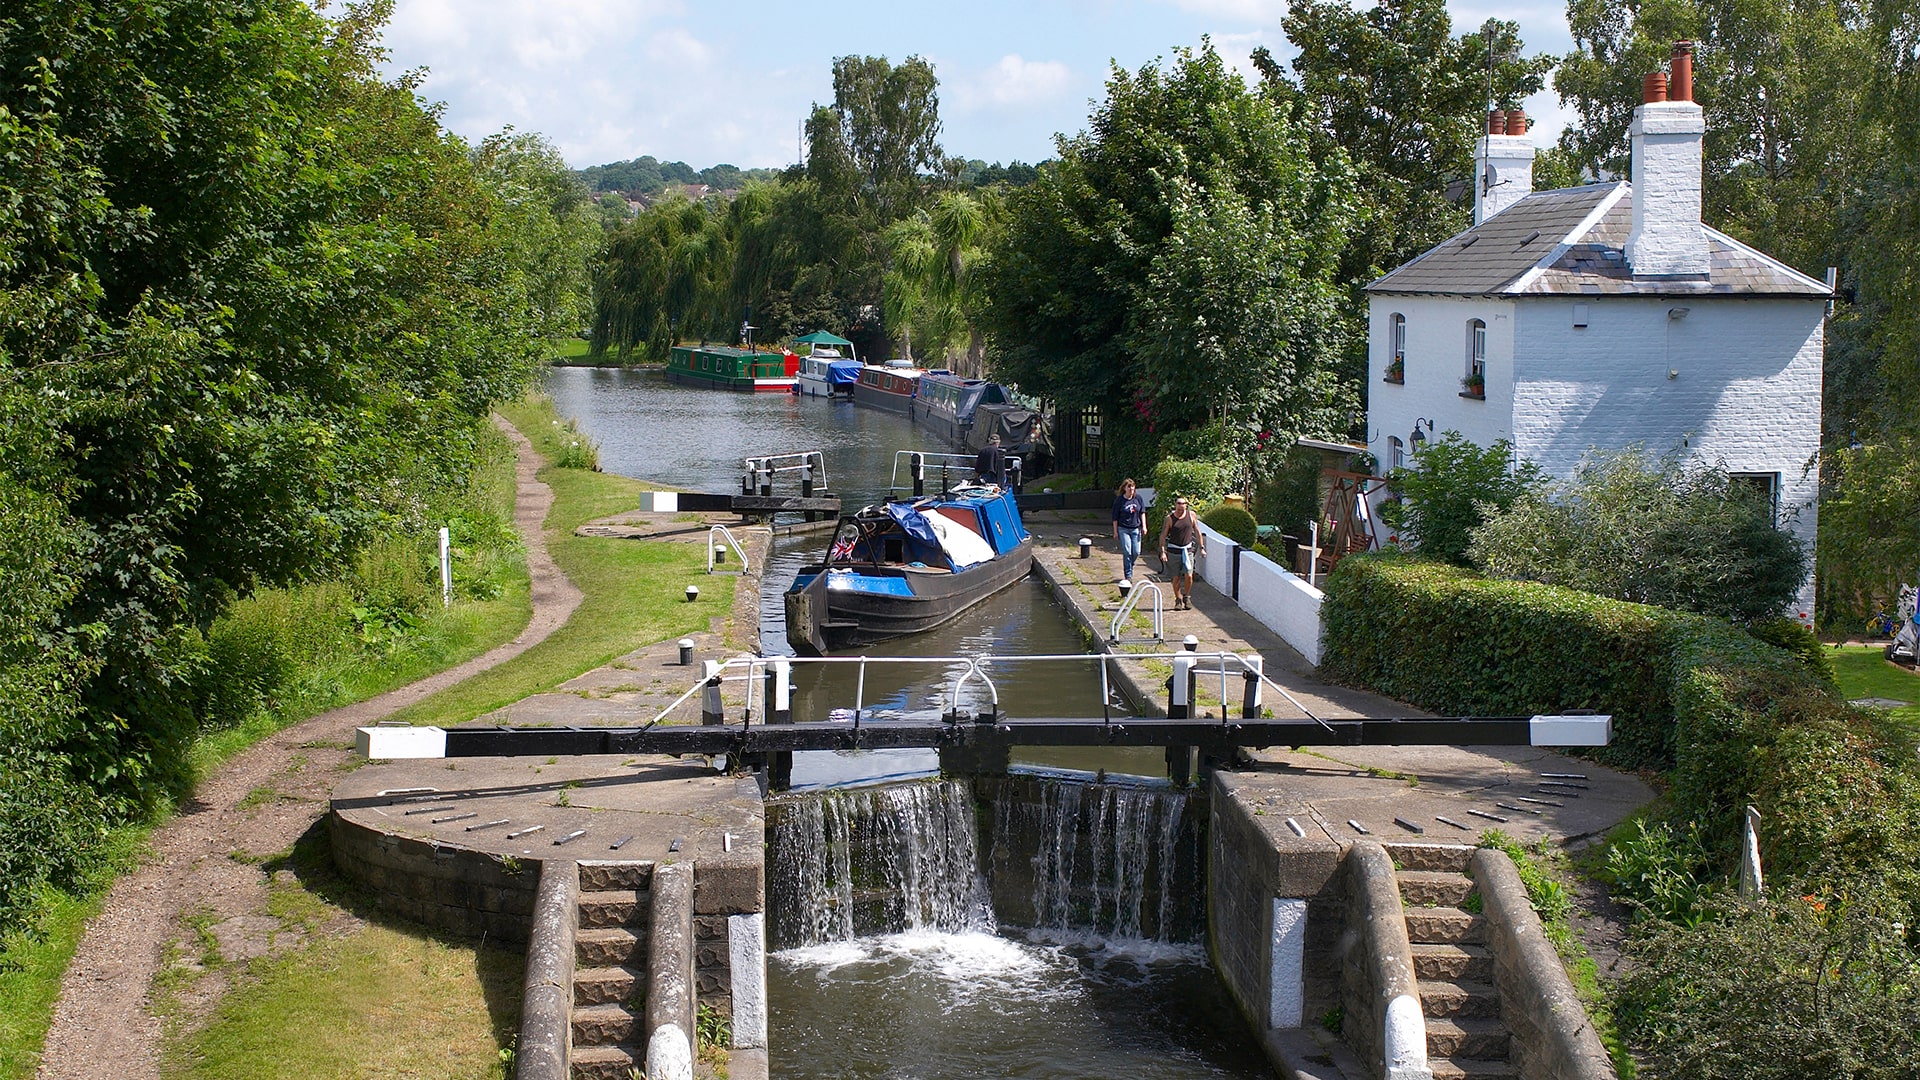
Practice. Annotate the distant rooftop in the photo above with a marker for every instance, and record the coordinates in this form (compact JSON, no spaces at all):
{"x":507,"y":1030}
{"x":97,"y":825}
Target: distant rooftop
{"x":1572,"y":242}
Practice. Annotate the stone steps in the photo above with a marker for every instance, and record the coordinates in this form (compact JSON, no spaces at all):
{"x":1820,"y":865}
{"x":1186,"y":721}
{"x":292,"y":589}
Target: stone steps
{"x":1436,"y":961}
{"x":608,"y":985}
{"x":607,"y":1062}
{"x":1445,"y":926}
{"x":1466,"y":1039}
{"x":614,"y":914}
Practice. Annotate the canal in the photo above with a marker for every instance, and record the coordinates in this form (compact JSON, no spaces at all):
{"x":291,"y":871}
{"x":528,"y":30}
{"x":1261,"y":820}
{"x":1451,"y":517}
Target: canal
{"x":956,"y":1000}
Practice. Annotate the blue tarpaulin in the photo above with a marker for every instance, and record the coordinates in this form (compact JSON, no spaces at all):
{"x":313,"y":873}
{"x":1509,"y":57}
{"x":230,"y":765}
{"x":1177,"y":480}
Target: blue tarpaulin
{"x":843,"y":372}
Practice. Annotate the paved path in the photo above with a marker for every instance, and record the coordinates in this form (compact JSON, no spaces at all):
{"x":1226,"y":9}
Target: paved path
{"x":103,"y":1025}
{"x":1325,"y":788}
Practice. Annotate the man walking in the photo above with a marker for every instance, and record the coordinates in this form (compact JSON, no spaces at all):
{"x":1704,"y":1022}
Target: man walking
{"x":1181,"y":534}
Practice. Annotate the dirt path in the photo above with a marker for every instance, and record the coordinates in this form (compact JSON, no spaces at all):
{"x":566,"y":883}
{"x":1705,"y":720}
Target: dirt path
{"x":258,"y":803}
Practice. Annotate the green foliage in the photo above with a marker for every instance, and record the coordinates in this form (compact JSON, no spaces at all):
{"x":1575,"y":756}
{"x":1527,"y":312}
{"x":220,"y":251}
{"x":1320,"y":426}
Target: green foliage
{"x":1808,"y":982}
{"x":1452,"y":487}
{"x":1233,"y":523}
{"x":1659,"y":869}
{"x":1202,"y":482}
{"x":1288,"y":494}
{"x":1652,"y":530}
{"x":1177,"y":263}
{"x":1869,"y":536}
{"x":1789,"y":634}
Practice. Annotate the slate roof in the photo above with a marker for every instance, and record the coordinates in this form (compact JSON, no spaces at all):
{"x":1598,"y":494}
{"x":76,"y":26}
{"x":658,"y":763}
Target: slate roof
{"x":1572,"y":242}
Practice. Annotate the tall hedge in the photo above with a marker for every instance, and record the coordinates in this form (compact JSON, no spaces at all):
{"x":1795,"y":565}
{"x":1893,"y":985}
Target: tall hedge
{"x":1730,"y":719}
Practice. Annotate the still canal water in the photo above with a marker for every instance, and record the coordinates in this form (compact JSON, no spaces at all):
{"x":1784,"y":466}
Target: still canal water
{"x":929,"y":1004}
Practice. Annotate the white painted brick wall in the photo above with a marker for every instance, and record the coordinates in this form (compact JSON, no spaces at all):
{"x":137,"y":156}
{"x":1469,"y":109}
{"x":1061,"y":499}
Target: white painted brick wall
{"x":1745,"y":393}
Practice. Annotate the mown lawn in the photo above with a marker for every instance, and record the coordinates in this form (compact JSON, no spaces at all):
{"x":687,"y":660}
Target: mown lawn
{"x":1864,"y":672}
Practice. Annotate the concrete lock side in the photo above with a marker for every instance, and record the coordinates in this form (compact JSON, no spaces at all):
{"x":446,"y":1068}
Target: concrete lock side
{"x":544,"y":1050}
{"x":1554,"y":1039}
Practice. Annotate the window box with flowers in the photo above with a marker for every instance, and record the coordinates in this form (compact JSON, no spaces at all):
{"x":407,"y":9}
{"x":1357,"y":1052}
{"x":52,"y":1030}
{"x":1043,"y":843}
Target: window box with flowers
{"x":1396,"y":370}
{"x":1475,"y":386}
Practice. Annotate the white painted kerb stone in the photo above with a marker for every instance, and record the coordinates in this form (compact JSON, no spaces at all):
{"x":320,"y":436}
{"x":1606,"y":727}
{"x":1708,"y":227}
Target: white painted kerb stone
{"x":1405,"y":1042}
{"x":383,"y":743}
{"x":669,"y":1054}
{"x":747,"y":955}
{"x":1287,"y":996}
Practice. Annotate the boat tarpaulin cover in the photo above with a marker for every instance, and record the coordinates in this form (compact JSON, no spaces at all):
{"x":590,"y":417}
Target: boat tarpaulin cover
{"x":843,"y":372}
{"x":963,"y":546}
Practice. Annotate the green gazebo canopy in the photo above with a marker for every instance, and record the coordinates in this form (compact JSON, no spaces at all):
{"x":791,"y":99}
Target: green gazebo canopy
{"x":821,"y":337}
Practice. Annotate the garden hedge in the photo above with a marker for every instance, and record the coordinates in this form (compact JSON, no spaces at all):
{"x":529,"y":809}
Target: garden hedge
{"x":1729,"y":719}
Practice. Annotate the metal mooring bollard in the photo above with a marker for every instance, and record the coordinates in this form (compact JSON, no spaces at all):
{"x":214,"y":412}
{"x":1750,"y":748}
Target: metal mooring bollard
{"x":1086,"y":547}
{"x":686,"y":652}
{"x":719,"y":553}
{"x":1191,"y":644}
{"x":1126,"y":587}
{"x":693,"y":593}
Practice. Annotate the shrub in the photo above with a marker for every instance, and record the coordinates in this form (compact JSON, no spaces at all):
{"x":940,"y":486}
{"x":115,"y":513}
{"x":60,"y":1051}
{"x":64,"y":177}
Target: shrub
{"x":1233,"y":523}
{"x":1289,"y":496}
{"x":1803,"y":984}
{"x":1784,"y":633}
{"x":1651,"y":530}
{"x":50,"y":827}
{"x":1202,"y":482}
{"x":1658,"y":869}
{"x":1449,"y":492}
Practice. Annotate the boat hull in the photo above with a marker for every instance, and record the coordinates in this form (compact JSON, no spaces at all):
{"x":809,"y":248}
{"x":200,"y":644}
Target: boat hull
{"x":821,"y":619}
{"x":881,"y":399}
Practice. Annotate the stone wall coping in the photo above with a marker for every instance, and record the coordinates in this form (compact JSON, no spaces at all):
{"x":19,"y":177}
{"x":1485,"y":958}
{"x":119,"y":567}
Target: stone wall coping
{"x":1388,"y":990}
{"x":544,"y":1050}
{"x":1565,"y":1046}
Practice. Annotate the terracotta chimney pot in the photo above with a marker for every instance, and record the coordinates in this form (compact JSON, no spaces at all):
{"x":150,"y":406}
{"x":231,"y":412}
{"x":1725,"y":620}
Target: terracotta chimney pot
{"x":1516,"y":121}
{"x":1654,"y":87}
{"x":1496,"y":122}
{"x":1680,"y":85}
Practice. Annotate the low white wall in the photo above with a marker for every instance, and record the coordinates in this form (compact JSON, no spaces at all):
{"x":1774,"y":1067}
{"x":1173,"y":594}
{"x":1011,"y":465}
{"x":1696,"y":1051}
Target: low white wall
{"x":1283,"y":602}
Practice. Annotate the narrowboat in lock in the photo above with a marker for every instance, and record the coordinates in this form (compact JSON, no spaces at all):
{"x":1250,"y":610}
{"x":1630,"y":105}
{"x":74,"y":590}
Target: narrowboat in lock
{"x":944,"y":403}
{"x":908,"y":565}
{"x":887,"y":386}
{"x":723,"y":367}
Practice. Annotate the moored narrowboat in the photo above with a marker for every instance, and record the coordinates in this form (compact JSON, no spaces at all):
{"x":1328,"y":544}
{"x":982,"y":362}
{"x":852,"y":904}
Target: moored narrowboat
{"x":828,"y":366}
{"x":723,"y":367}
{"x":887,"y":386}
{"x":908,"y":565}
{"x":944,"y":403}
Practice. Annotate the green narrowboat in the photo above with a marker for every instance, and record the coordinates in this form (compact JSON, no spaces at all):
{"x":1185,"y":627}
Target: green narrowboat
{"x":723,"y":367}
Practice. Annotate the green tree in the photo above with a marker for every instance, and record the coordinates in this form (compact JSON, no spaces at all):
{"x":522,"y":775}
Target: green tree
{"x":1177,"y":263}
{"x":1452,"y":487}
{"x":1405,"y":100}
{"x":1651,"y":530}
{"x":886,"y":122}
{"x":932,"y":289}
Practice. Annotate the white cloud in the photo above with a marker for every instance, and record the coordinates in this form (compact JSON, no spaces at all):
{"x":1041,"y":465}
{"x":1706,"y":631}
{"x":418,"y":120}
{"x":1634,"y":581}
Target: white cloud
{"x":1265,"y":12}
{"x":1011,"y":83}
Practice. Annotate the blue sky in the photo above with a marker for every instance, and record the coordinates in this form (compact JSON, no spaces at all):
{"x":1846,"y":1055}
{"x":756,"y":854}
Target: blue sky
{"x":720,"y":81}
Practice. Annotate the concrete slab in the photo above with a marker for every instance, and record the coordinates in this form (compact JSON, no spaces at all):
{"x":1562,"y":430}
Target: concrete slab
{"x":649,"y":803}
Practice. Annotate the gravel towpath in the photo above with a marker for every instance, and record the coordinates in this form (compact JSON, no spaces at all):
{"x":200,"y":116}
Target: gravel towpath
{"x":257,"y":804}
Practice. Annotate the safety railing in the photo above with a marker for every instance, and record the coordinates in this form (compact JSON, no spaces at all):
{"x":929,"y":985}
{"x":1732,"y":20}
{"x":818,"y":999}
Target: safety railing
{"x":760,"y":472}
{"x":1132,"y":601}
{"x":717,"y":555}
{"x":1188,"y":668}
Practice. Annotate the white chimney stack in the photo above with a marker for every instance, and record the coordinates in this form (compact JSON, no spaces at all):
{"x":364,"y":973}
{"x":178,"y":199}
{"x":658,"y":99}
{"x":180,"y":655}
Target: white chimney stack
{"x":1502,"y":164}
{"x":1667,"y":238}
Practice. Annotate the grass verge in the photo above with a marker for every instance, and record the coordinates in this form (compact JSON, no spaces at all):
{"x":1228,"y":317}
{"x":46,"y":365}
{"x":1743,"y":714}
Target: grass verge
{"x":364,"y":995}
{"x":297,"y":652}
{"x":632,"y":589}
{"x":1544,"y":870}
{"x":1864,"y":672}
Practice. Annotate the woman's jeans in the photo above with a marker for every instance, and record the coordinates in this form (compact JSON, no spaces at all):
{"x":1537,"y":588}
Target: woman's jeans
{"x":1129,"y":551}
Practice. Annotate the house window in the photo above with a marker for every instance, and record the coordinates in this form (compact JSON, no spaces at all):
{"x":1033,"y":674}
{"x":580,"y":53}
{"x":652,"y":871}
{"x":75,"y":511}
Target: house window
{"x":1766,"y":485}
{"x":1396,"y":453}
{"x":1474,"y":383}
{"x":1397,"y":348}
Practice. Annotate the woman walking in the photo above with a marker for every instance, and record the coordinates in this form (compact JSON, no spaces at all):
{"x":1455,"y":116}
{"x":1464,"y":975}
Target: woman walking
{"x":1129,"y":525}
{"x":1182,"y":534}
